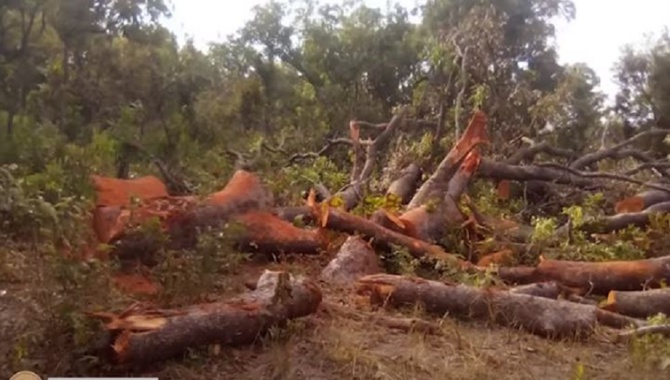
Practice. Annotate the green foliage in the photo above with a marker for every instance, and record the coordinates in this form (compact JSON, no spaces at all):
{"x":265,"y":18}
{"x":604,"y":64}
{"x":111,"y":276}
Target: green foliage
{"x":652,"y":350}
{"x":189,"y":275}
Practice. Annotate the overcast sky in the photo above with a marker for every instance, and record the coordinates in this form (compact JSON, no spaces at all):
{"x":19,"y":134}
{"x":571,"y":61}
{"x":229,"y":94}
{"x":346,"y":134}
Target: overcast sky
{"x":594,"y":37}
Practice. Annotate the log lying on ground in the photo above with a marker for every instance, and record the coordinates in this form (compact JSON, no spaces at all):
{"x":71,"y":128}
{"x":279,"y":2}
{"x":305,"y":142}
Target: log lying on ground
{"x":146,"y":336}
{"x":355,"y":259}
{"x":542,"y":316}
{"x":594,"y":277}
{"x":640,"y":304}
{"x":335,"y":219}
{"x":436,"y":186}
{"x":244,"y":202}
{"x":119,"y":192}
{"x":641,"y":201}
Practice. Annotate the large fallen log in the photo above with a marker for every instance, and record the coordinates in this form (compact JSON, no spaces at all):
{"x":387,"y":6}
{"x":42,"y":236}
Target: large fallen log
{"x":146,"y":336}
{"x":541,"y":316}
{"x":244,"y":202}
{"x":639,"y":304}
{"x":355,"y":259}
{"x":594,"y":277}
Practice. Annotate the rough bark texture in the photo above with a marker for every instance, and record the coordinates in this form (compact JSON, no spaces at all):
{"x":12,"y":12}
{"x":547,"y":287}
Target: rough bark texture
{"x":147,"y":336}
{"x":406,"y":184}
{"x":594,"y":277}
{"x":541,"y":316}
{"x":641,"y":304}
{"x":355,"y":259}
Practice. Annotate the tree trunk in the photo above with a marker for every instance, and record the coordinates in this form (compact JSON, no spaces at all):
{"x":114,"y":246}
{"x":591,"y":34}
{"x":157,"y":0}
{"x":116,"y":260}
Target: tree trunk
{"x":594,"y":277}
{"x":541,"y":316}
{"x":146,"y":336}
{"x":641,"y":304}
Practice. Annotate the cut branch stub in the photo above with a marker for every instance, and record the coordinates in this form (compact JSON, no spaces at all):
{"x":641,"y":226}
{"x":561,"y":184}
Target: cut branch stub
{"x":146,"y":336}
{"x":436,"y":186}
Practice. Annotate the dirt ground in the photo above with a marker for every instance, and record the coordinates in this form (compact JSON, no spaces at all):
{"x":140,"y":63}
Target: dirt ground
{"x":323,"y":346}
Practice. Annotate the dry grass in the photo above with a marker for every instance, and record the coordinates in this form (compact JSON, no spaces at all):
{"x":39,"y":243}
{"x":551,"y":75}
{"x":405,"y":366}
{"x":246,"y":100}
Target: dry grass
{"x":327,"y":346}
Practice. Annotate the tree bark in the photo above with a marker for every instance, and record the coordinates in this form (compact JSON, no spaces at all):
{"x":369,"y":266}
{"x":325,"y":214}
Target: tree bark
{"x":594,"y":277}
{"x":146,"y":336}
{"x":342,"y":221}
{"x":355,"y":259}
{"x":639,"y":304}
{"x":541,"y":316}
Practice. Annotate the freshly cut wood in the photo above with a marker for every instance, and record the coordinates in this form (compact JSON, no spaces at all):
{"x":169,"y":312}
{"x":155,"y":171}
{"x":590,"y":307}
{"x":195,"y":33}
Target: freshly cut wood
{"x":594,"y":277}
{"x":335,"y":219}
{"x":244,"y":200}
{"x":150,"y":335}
{"x":264,"y":232}
{"x":503,"y":257}
{"x":355,"y":259}
{"x":431,"y":222}
{"x":640,"y":304}
{"x":641,"y":201}
{"x":120,"y":192}
{"x":541,"y":316}
{"x":436,"y":186}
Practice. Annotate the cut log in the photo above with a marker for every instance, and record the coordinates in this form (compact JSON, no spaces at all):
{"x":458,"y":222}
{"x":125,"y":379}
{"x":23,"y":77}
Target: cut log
{"x":641,"y":201}
{"x":640,"y":304}
{"x":436,"y":186}
{"x":244,"y":202}
{"x":335,"y":219}
{"x":594,"y":277}
{"x":120,"y":192}
{"x":355,"y":259}
{"x":146,"y":336}
{"x":542,"y":316}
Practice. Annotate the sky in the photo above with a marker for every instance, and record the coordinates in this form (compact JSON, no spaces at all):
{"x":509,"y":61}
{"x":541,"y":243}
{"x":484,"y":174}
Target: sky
{"x":595,"y":36}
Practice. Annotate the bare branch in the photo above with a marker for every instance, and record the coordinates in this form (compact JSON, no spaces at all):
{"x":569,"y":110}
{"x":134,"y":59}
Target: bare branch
{"x":594,"y":157}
